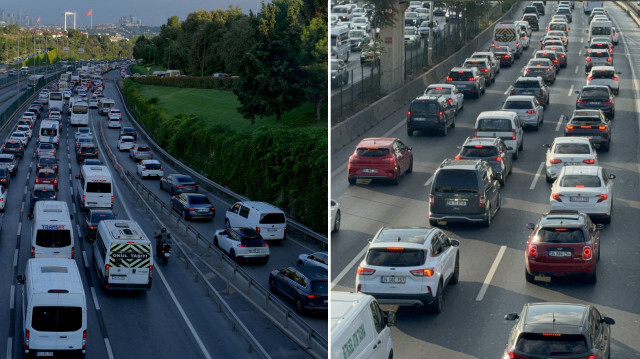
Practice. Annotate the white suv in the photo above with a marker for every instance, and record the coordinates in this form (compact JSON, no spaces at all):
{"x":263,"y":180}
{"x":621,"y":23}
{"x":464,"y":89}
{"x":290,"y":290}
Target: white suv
{"x":268,"y":220}
{"x":585,"y":189}
{"x":569,"y":151}
{"x":409,"y":266}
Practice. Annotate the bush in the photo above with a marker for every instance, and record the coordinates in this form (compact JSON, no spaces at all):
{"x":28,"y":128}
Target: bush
{"x":226,"y":83}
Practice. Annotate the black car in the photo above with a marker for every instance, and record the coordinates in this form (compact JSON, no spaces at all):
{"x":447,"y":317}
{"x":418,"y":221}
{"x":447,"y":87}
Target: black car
{"x":5,"y":176}
{"x":431,"y":112}
{"x":559,"y":330}
{"x":531,"y":9}
{"x":539,"y":6}
{"x":13,"y":147}
{"x":42,"y":192}
{"x":491,"y":150}
{"x":595,"y":97}
{"x":590,"y":123}
{"x":92,"y":218}
{"x":533,"y":21}
{"x":306,"y":286}
{"x":178,"y":183}
{"x":464,"y":191}
{"x":532,"y":86}
{"x":85,"y":151}
{"x":47,"y":162}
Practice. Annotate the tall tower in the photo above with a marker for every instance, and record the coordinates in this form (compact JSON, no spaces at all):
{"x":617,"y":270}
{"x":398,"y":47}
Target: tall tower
{"x":71,"y":13}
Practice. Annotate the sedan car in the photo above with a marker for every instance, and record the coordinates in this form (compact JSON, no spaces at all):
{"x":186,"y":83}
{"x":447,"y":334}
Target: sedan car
{"x":47,"y":162}
{"x":91,"y":220}
{"x":149,"y":168}
{"x":42,"y":192}
{"x":604,"y":76}
{"x":140,"y":152}
{"x":561,"y":54}
{"x":193,"y":205}
{"x":596,"y":97}
{"x":83,"y":131}
{"x":13,"y":147}
{"x":529,"y":110}
{"x":86,"y":150}
{"x":307,"y":287}
{"x":242,"y":244}
{"x":569,"y":151}
{"x":592,"y":124}
{"x":47,"y":176}
{"x":26,"y":129}
{"x":319,"y":259}
{"x":380,"y":158}
{"x":178,"y":183}
{"x":20,"y":136}
{"x":450,"y":92}
{"x":126,"y":143}
{"x":541,"y":68}
{"x":9,"y":161}
{"x":114,"y":114}
{"x":503,"y":53}
{"x":551,"y":55}
{"x":493,"y":151}
{"x":128,"y":131}
{"x":468,"y":80}
{"x":585,"y":189}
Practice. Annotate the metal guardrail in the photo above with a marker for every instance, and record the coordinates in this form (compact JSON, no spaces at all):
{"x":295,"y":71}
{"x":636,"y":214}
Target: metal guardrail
{"x":221,"y":191}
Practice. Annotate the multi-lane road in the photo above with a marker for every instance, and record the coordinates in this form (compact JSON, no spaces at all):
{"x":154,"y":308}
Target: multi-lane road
{"x":176,"y":318}
{"x":492,"y":282}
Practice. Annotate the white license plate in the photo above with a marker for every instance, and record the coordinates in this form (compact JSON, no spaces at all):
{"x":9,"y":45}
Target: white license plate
{"x":572,"y":163}
{"x":542,"y":278}
{"x":559,"y":254}
{"x":203,"y":210}
{"x":44,"y":354}
{"x":419,"y":119}
{"x":370,"y":170}
{"x":254,"y":251}
{"x":594,"y":102}
{"x":456,"y":203}
{"x":272,"y":230}
{"x":578,"y":199}
{"x":393,"y":280}
{"x":118,"y":277}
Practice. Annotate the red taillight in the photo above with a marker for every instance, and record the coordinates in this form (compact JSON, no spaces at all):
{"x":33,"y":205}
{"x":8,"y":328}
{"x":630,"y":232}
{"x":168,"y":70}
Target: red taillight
{"x":485,"y":70}
{"x":27,"y":336}
{"x":472,"y":78}
{"x":449,"y":78}
{"x":365,"y":271}
{"x":555,"y":61}
{"x":607,"y":102}
{"x":93,"y":227}
{"x":84,"y":339}
{"x":483,"y":201}
{"x":588,"y":59}
{"x":603,"y":128}
{"x":495,"y":159}
{"x":569,"y":127}
{"x":427,"y":272}
{"x":111,"y":199}
{"x":431,"y":202}
{"x":615,"y":79}
{"x":506,"y":56}
{"x":556,"y":196}
{"x":581,"y":101}
{"x":458,"y":158}
{"x":589,"y":161}
{"x":586,"y":253}
{"x":585,"y":127}
{"x":33,"y":252}
{"x":313,"y":296}
{"x":513,"y":134}
{"x":533,"y":252}
{"x":73,"y":251}
{"x":451,"y":100}
{"x":258,"y":229}
{"x":609,"y":59}
{"x":602,"y":197}
{"x":589,"y":78}
{"x":531,"y":112}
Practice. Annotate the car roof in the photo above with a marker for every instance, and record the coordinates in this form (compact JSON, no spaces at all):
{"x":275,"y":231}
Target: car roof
{"x":603,"y":67}
{"x":7,"y":155}
{"x":406,"y":237}
{"x":582,"y":170}
{"x":459,"y":164}
{"x":595,"y":87}
{"x":433,"y":86}
{"x":520,"y":98}
{"x":376,"y":142}
{"x":484,"y":141}
{"x":46,"y":170}
{"x":571,"y":139}
{"x":565,"y":318}
{"x":123,"y":137}
{"x":313,"y":272}
{"x":497,"y":114}
{"x":586,"y":113}
{"x":562,"y":218}
{"x":529,"y":78}
{"x":150,"y":162}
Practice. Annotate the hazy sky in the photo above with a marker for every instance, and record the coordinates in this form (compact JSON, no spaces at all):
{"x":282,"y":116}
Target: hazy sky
{"x":151,"y":12}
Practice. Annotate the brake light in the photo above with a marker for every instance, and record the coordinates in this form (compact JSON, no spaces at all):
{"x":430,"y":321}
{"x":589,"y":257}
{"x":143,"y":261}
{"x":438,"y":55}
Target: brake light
{"x":555,"y":60}
{"x":527,"y":70}
{"x":150,"y":273}
{"x":609,"y":102}
{"x":449,"y":78}
{"x":518,"y":44}
{"x":472,"y":78}
{"x":569,"y":127}
{"x":609,"y":59}
{"x":588,"y":59}
{"x":513,"y":134}
{"x":495,"y":159}
{"x":426,"y":272}
{"x":581,"y":101}
{"x":451,"y":100}
{"x":33,"y":252}
{"x":485,"y":70}
{"x":589,"y":161}
{"x":365,"y":271}
{"x":506,"y":56}
{"x":483,"y":201}
{"x":556,"y":196}
{"x":602,"y":128}
{"x":458,"y":158}
{"x":602,"y":197}
{"x":431,"y":198}
{"x":533,"y":252}
{"x":84,"y":339}
{"x":111,"y":199}
{"x":73,"y":251}
{"x":589,"y":78}
{"x":475,"y":133}
{"x":27,"y":335}
{"x":587,"y":253}
{"x":615,"y":79}
{"x":585,"y":127}
{"x":531,"y":112}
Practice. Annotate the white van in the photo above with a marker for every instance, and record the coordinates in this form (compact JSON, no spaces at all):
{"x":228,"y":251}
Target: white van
{"x":54,"y":309}
{"x":95,"y":187}
{"x":52,"y":231}
{"x":359,"y":328}
{"x":105,"y":105}
{"x":267,"y":219}
{"x":122,"y":255}
{"x":601,"y":28}
{"x":503,"y":124}
{"x":49,"y":132}
{"x":508,"y":33}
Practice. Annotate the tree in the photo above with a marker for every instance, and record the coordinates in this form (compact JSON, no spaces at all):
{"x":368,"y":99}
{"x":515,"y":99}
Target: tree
{"x":313,"y":60}
{"x":140,"y":49}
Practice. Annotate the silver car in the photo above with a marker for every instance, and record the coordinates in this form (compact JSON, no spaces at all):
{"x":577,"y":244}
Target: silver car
{"x":140,"y":152}
{"x":541,"y":67}
{"x":529,"y":110}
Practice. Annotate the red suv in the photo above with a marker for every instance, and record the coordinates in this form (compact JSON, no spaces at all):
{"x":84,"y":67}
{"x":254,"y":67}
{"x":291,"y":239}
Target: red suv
{"x":563,"y":243}
{"x":385,"y":158}
{"x":47,"y":176}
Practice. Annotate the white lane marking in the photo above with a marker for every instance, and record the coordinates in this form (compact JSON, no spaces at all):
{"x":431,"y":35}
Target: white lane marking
{"x":492,"y":271}
{"x":582,"y":40}
{"x":109,"y":350}
{"x":508,"y":90}
{"x":12,"y":294}
{"x":24,"y":192}
{"x":386,"y":134}
{"x":184,"y":315}
{"x":576,"y":70}
{"x":348,"y":267}
{"x":95,"y":298}
{"x":15,"y":257}
{"x":537,"y":175}
{"x":76,"y":211}
{"x":22,"y":207}
{"x":570,"y":91}
{"x":580,"y":53}
{"x":9,"y":347}
{"x":19,"y":228}
{"x":28,"y":175}
{"x":84,"y":258}
{"x":559,"y":123}
{"x":429,"y":180}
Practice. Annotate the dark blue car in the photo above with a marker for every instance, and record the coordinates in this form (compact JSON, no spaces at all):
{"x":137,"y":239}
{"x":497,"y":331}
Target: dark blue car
{"x":307,"y":287}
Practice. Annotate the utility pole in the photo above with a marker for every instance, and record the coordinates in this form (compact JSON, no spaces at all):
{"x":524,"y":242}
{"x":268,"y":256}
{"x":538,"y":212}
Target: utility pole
{"x":431,"y":29}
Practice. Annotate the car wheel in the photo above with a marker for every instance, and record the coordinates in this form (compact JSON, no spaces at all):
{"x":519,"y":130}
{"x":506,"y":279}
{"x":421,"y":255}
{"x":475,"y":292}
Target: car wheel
{"x":529,"y":277}
{"x":336,"y":222}
{"x":549,"y":179}
{"x":185,"y":216}
{"x":233,"y":256}
{"x":436,"y":305}
{"x":272,"y":286}
{"x":453,"y":122}
{"x":516,"y":154}
{"x":607,"y":219}
{"x":444,"y":131}
{"x":299,"y":307}
{"x":502,"y":181}
{"x":606,"y":148}
{"x":456,"y":272}
{"x":433,"y":223}
{"x":487,"y":220}
{"x":409,"y":133}
{"x":395,"y":179}
{"x":521,"y":147}
{"x":215,"y":241}
{"x":352,"y":181}
{"x":410,"y":169}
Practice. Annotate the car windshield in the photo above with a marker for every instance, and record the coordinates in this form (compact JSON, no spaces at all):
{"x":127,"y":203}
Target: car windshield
{"x":320,"y":286}
{"x":482,"y":151}
{"x":572,"y":148}
{"x":494,"y":125}
{"x":451,"y":181}
{"x":395,"y":257}
{"x":518,"y":105}
{"x":460,"y":76}
{"x":539,"y":344}
{"x":580,"y":181}
{"x":372,"y":152}
{"x":424,"y":108}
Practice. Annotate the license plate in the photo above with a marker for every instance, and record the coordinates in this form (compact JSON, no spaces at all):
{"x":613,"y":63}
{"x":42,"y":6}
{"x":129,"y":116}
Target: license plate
{"x":527,"y":92}
{"x":393,"y":280}
{"x":456,"y":202}
{"x":44,"y":354}
{"x":370,"y":170}
{"x":118,"y":277}
{"x":542,"y":278}
{"x":254,"y":251}
{"x":203,"y":210}
{"x":419,"y":119}
{"x":559,"y":254}
{"x":461,"y":86}
{"x":594,"y":102}
{"x":578,"y":199}
{"x":572,"y":163}
{"x":272,"y":230}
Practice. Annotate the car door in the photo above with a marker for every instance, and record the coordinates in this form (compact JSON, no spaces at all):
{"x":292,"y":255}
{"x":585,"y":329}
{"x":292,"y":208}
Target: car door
{"x":435,"y":258}
{"x":539,"y":108}
{"x":288,"y":283}
{"x":490,"y":187}
{"x":519,"y":132}
{"x":229,"y":240}
{"x":379,"y":349}
{"x":243,"y":218}
{"x":447,"y":255}
{"x":164,"y":181}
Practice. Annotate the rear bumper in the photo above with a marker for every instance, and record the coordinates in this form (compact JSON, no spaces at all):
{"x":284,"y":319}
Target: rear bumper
{"x":429,"y":124}
{"x":457,"y":218}
{"x":560,"y":269}
{"x":420,"y":299}
{"x":33,"y":353}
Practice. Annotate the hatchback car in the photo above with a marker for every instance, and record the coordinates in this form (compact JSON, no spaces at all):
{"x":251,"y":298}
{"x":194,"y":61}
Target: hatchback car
{"x":242,"y":244}
{"x":544,"y":329}
{"x":450,"y":92}
{"x":42,"y":192}
{"x":193,"y":205}
{"x":140,"y":152}
{"x":93,"y":103}
{"x":491,"y":150}
{"x":125,"y":143}
{"x":178,"y":183}
{"x":409,"y":266}
{"x":9,"y":161}
{"x":596,"y":97}
{"x":26,"y":129}
{"x":91,"y":220}
{"x":380,"y":158}
{"x":86,"y":150}
{"x":20,"y":136}
{"x":47,"y":162}
{"x":149,"y":168}
{"x":541,"y":68}
{"x":563,"y":243}
{"x":318,"y":259}
{"x":47,"y":176}
{"x":307,"y":287}
{"x":597,"y":58}
{"x":431,"y":112}
{"x":561,"y":53}
{"x":468,"y":80}
{"x":585,"y":189}
{"x":529,"y":110}
{"x":504,"y":54}
{"x":592,"y":124}
{"x":604,"y":76}
{"x":5,"y":177}
{"x":13,"y":147}
{"x":568,"y":151}
{"x":551,"y":55}
{"x":128,"y":131}
{"x":485,"y":68}
{"x":83,"y":131}
{"x":533,"y":86}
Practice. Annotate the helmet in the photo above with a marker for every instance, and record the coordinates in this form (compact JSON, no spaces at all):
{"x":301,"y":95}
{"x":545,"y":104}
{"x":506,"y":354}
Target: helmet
{"x":163,"y":230}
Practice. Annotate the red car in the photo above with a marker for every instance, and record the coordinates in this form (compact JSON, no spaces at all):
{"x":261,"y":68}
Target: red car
{"x":384,"y":158}
{"x":47,"y":176}
{"x":563,"y":243}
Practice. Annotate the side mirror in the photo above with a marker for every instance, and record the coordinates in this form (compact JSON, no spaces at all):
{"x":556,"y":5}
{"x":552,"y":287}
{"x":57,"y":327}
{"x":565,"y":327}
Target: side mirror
{"x":77,"y":176}
{"x":390,"y":318}
{"x":612,"y":176}
{"x":409,"y":148}
{"x":530,"y":226}
{"x":71,"y":215}
{"x":546,"y":145}
{"x":599,"y":226}
{"x":608,"y":320}
{"x":454,"y":242}
{"x":20,"y":278}
{"x":511,"y":316}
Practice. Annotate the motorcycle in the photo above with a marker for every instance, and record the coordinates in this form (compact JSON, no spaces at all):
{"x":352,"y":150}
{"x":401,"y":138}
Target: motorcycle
{"x":163,"y":249}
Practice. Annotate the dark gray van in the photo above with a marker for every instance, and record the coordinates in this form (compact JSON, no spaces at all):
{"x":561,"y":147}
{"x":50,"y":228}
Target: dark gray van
{"x":431,"y":112}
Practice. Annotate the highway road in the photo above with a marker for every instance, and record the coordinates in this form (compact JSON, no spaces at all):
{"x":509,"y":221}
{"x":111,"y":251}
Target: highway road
{"x":175,"y":318}
{"x":492,"y":281}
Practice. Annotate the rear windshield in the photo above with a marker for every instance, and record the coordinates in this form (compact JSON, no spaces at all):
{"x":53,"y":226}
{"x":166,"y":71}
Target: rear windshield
{"x":56,"y":319}
{"x":586,"y":120}
{"x":199,"y":200}
{"x":372,"y":152}
{"x":44,"y":194}
{"x":475,"y":63}
{"x":153,"y":166}
{"x":143,"y":148}
{"x":526,"y":84}
{"x":594,"y":93}
{"x":557,"y":26}
{"x":252,"y":242}
{"x":97,"y":217}
{"x":561,"y":235}
{"x":320,"y":286}
{"x":424,"y":108}
{"x":45,"y":160}
{"x":442,"y":91}
{"x":494,"y":124}
{"x":403,"y":257}
{"x":580,"y":181}
{"x":12,"y":144}
{"x":184,"y":179}
{"x":51,"y":238}
{"x":517,"y":105}
{"x":598,"y":54}
{"x":485,"y":151}
{"x":127,"y":140}
{"x":450,"y":181}
{"x":602,"y":74}
{"x":539,"y":344}
{"x":573,"y":148}
{"x":98,"y":187}
{"x":6,"y":160}
{"x":46,"y":175}
{"x":457,"y":76}
{"x":272,"y":218}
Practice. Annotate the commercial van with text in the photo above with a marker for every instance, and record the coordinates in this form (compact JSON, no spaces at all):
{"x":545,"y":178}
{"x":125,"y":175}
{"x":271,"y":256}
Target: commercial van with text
{"x":95,"y":187}
{"x":52,"y":231}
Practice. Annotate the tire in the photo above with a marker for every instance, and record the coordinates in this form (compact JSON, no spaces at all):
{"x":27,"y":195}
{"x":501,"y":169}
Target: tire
{"x":456,"y":272}
{"x":272,"y":286}
{"x":521,"y":147}
{"x":444,"y":131}
{"x":487,"y":221}
{"x":453,"y":122}
{"x":352,"y":181}
{"x":300,"y":263}
{"x":410,"y":169}
{"x":436,"y":306}
{"x":336,"y":222}
{"x":593,"y":277}
{"x":409,"y":133}
{"x":233,"y":256}
{"x":606,"y":220}
{"x":606,"y":148}
{"x":299,"y":308}
{"x":433,"y":223}
{"x":395,"y":180}
{"x":549,"y":179}
{"x":215,"y":242}
{"x":502,"y":181}
{"x":516,"y":154}
{"x":529,"y":277}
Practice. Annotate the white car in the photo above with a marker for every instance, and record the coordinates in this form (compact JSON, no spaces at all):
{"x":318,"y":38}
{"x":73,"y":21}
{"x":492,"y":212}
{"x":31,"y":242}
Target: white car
{"x":318,"y":259}
{"x":126,"y":142}
{"x":86,"y":131}
{"x":3,"y":198}
{"x":242,"y":243}
{"x":569,"y":151}
{"x":604,"y":76}
{"x":587,"y":189}
{"x":335,"y":216}
{"x":55,"y":116}
{"x":115,"y":114}
{"x":114,"y":123}
{"x":66,"y":94}
{"x":93,"y":103}
{"x":429,"y":261}
{"x":450,"y":92}
{"x":20,"y":136}
{"x":529,"y":110}
{"x":26,"y":129}
{"x":615,"y":37}
{"x":150,"y":168}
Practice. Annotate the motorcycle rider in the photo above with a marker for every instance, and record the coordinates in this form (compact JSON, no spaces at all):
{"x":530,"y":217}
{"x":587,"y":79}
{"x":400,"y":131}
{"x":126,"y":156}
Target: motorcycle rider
{"x":163,"y":238}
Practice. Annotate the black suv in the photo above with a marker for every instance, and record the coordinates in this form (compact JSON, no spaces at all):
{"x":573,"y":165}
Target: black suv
{"x":532,"y":86}
{"x":590,"y":123}
{"x":464,"y":191}
{"x":431,"y":112}
{"x":595,"y":97}
{"x":86,"y":150}
{"x":539,"y":6}
{"x":14,"y":147}
{"x":492,"y":150}
{"x":567,"y":330}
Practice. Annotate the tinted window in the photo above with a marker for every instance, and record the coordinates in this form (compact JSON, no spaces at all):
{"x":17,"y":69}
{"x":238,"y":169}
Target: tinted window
{"x":252,"y":241}
{"x":450,"y":181}
{"x":395,"y":258}
{"x":49,"y":132}
{"x":97,"y":217}
{"x":56,"y":319}
{"x":526,"y":84}
{"x":320,"y":286}
{"x":143,"y":148}
{"x":5,"y":160}
{"x":198,"y":200}
{"x":153,"y":166}
{"x":463,"y":76}
{"x":184,"y":179}
{"x":580,"y":181}
{"x":46,"y":175}
{"x":53,"y":238}
{"x":272,"y":218}
{"x":573,"y":148}
{"x":494,"y":125}
{"x":518,"y":105}
{"x":485,"y":151}
{"x":561,"y":235}
{"x":372,"y":152}
{"x":424,"y":108}
{"x":44,"y":194}
{"x":585,"y":120}
{"x":538,"y":344}
{"x":594,"y":94}
{"x":98,"y":187}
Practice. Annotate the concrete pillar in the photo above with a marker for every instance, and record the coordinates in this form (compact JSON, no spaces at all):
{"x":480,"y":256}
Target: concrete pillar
{"x":392,"y":58}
